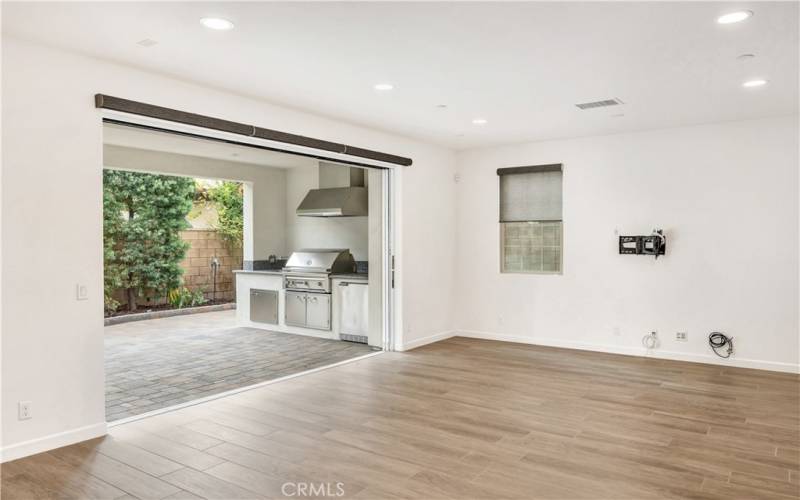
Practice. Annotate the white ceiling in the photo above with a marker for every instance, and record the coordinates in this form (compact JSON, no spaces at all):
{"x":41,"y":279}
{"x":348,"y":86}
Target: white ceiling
{"x":522,"y":66}
{"x":131,"y":137}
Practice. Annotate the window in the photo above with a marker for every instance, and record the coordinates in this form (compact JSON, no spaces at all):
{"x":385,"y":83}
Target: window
{"x":530,"y":219}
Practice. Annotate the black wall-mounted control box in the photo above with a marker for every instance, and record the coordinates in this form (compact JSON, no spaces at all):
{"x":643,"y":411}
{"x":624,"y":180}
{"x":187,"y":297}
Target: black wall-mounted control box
{"x":629,"y":245}
{"x":642,"y":245}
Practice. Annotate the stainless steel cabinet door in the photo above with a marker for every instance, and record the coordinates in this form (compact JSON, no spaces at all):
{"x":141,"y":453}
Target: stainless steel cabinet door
{"x":295,"y":311}
{"x":264,"y":306}
{"x":318,"y":311}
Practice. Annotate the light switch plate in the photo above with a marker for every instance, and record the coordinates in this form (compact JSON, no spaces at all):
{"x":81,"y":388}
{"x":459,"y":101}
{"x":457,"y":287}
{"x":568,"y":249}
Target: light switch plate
{"x":81,"y":292}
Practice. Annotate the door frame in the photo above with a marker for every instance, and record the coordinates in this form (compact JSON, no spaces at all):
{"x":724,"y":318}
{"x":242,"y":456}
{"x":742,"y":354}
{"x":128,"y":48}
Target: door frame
{"x":389,"y":186}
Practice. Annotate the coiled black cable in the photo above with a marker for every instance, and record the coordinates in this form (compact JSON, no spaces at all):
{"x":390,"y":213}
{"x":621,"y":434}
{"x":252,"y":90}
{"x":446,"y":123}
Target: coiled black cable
{"x":719,"y":340}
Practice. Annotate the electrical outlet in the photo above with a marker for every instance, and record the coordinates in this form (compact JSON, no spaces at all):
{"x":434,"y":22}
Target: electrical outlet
{"x":24,"y":410}
{"x":681,"y":336}
{"x":81,"y":292}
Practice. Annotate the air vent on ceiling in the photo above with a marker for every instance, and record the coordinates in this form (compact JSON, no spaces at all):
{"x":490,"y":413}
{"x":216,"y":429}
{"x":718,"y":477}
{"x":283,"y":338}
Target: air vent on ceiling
{"x":599,"y":104}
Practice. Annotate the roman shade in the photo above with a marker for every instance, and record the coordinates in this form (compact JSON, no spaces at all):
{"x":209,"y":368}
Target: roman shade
{"x":530,"y":193}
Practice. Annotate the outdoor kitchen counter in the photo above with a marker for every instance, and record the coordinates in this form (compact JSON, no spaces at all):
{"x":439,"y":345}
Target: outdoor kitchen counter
{"x":262,"y":301}
{"x":349,"y":276}
{"x":274,"y":272}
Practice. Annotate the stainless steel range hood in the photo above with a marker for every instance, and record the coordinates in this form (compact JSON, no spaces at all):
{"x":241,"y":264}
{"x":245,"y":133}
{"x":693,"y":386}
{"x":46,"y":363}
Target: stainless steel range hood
{"x":341,"y":194}
{"x":334,"y":202}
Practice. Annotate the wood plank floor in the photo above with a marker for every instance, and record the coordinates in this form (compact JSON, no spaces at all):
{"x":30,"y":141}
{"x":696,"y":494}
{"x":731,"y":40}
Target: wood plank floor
{"x":459,"y":419}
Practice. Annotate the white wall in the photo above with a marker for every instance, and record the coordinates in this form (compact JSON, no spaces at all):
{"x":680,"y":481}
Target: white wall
{"x":727,"y":196}
{"x":268,"y":187}
{"x":320,"y":232}
{"x":426,"y":210}
{"x":51,"y":227}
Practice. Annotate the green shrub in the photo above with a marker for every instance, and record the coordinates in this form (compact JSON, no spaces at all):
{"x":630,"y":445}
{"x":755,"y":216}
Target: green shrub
{"x":229,"y":200}
{"x":143,"y":215}
{"x":183,"y":297}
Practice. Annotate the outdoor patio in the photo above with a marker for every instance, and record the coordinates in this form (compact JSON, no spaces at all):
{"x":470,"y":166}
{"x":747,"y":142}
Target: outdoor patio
{"x":159,"y":363}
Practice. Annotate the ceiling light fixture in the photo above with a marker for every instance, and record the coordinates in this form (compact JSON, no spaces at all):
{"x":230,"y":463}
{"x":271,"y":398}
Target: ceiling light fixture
{"x":754,"y":83}
{"x":147,"y":42}
{"x":216,"y":23}
{"x":735,"y":17}
{"x":480,"y":121}
{"x":745,"y":57}
{"x":383,"y":86}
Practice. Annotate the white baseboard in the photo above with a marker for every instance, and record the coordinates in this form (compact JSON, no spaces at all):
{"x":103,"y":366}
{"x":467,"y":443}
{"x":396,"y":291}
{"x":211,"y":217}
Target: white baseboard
{"x":51,"y":442}
{"x":634,"y":351}
{"x":430,"y":339}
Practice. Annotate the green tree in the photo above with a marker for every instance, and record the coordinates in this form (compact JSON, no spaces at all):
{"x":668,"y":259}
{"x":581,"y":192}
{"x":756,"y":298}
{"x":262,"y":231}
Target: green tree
{"x":229,"y":200}
{"x":143,"y":215}
{"x":112,"y":271}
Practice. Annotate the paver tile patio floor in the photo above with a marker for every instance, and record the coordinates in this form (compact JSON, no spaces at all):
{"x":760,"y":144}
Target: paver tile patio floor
{"x":158,"y":363}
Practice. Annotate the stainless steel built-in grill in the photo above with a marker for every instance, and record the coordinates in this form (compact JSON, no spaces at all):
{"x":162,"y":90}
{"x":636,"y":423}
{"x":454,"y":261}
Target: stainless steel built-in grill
{"x":307,"y":280}
{"x":311,"y":270}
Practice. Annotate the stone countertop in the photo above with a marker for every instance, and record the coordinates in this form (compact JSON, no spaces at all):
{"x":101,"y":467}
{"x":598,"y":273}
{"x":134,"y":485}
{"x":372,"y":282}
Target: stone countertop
{"x":350,"y":276}
{"x":274,"y":272}
{"x":277,"y":272}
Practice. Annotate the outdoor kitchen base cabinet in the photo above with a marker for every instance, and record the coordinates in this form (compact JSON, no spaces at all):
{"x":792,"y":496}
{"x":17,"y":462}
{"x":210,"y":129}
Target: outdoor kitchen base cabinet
{"x":308,"y":310}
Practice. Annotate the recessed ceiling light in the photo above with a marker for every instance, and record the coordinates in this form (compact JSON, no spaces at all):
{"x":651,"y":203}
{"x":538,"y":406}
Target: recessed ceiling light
{"x":754,"y":83}
{"x":216,"y":23}
{"x":735,"y":17}
{"x":479,"y":121}
{"x":441,"y":106}
{"x":383,"y":86}
{"x":147,"y":42}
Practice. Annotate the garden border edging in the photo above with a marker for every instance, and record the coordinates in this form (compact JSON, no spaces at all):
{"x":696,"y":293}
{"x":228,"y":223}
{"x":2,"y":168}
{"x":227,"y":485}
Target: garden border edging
{"x":127,"y":318}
